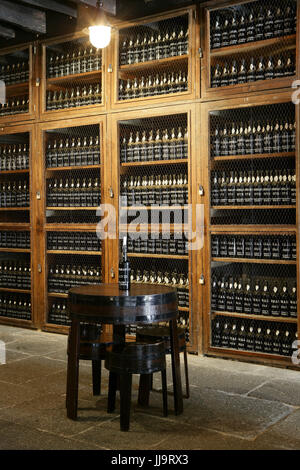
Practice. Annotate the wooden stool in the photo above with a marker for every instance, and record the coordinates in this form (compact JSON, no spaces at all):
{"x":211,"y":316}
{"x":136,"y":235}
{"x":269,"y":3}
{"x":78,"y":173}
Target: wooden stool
{"x":93,"y":346}
{"x":134,"y":358}
{"x":161,"y":333}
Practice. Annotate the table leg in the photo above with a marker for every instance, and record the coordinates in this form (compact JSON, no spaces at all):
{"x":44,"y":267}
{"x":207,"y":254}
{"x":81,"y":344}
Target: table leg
{"x":144,"y":389}
{"x":178,"y":399}
{"x":73,"y":370}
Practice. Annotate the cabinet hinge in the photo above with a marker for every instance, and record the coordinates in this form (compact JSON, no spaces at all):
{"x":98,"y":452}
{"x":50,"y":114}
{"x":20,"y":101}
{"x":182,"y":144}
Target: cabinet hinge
{"x":200,"y":52}
{"x":202,"y":280}
{"x":34,"y":50}
{"x":37,"y":82}
{"x":195,"y":14}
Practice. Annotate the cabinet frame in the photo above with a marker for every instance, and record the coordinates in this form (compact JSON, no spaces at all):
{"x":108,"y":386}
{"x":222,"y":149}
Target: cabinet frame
{"x":28,"y":227}
{"x":13,"y":120}
{"x":193,"y":170}
{"x":224,"y":93}
{"x":157,"y":100}
{"x":239,"y":103}
{"x":44,"y":227}
{"x":80,"y":111}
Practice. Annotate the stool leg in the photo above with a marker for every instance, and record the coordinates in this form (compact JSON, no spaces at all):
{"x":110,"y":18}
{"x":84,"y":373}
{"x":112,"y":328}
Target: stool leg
{"x":125,"y":400}
{"x":186,"y":371}
{"x":73,"y":371}
{"x":144,"y":389}
{"x":112,"y":389}
{"x":96,"y":373}
{"x":164,"y":391}
{"x":178,"y":403}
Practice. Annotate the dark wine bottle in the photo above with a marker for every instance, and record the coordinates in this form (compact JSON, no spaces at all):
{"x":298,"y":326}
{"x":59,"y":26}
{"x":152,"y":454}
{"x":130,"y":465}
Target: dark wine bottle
{"x":124,"y":268}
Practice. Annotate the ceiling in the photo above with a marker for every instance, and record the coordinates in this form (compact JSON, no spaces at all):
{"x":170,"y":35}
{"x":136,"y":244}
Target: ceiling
{"x":23,"y":21}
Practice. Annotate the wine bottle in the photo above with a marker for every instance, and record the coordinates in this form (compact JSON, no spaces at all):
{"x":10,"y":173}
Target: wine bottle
{"x":124,"y":268}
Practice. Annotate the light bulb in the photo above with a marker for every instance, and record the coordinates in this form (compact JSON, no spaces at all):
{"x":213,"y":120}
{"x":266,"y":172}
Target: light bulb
{"x":100,"y":36}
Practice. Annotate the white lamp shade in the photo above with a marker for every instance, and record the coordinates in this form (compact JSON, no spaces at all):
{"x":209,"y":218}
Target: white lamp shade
{"x":100,"y":36}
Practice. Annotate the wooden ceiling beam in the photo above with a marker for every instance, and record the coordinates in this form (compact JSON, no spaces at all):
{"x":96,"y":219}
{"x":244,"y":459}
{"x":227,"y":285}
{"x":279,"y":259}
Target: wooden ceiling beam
{"x":53,"y":5}
{"x":7,"y":33}
{"x":26,"y":18}
{"x":109,"y":6}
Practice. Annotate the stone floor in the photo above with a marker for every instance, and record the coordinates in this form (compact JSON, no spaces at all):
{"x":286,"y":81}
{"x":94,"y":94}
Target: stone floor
{"x":233,"y":405}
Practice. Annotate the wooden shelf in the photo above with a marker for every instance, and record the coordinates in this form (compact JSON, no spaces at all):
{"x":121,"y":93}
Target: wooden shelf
{"x":71,"y":208}
{"x":17,"y":291}
{"x":155,"y":207}
{"x":254,"y":156}
{"x":73,"y":252}
{"x":20,"y":322}
{"x":155,"y":162}
{"x":254,"y":261}
{"x":62,"y":227}
{"x":183,"y":309}
{"x":217,"y":208}
{"x":255,"y":317}
{"x":262,"y":357}
{"x":68,"y":168}
{"x":157,"y":255}
{"x":253,"y":229}
{"x":251,"y":46}
{"x":14,"y":209}
{"x":13,"y":172}
{"x":58,"y":294}
{"x":16,"y":88}
{"x":76,"y":76}
{"x":15,"y":250}
{"x":161,"y":63}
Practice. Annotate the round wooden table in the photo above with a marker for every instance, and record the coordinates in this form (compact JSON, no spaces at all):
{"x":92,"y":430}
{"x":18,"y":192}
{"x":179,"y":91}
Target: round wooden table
{"x":106,"y":303}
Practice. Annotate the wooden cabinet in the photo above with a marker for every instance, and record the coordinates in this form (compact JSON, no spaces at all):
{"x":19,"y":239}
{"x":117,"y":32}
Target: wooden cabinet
{"x":248,"y":47}
{"x":139,"y":124}
{"x":17,"y":214}
{"x":72,"y":157}
{"x":72,"y":78}
{"x":154,"y":60}
{"x":17,"y":75}
{"x":251,"y":253}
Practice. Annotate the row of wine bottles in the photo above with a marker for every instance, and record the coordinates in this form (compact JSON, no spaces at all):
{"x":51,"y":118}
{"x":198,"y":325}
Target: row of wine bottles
{"x":14,"y":194}
{"x":178,"y":280}
{"x":235,"y":27}
{"x":159,"y":85}
{"x":73,"y":152}
{"x":15,"y":105}
{"x":262,"y":297}
{"x":74,"y":97}
{"x":254,"y":138}
{"x":80,"y":60}
{"x":154,"y":46}
{"x":15,"y":306}
{"x":15,"y":240}
{"x":12,"y":74}
{"x":164,"y":145}
{"x":267,"y":247}
{"x":73,"y":241}
{"x":61,"y":278}
{"x":261,"y":187}
{"x":15,"y":274}
{"x":165,"y":190}
{"x":240,"y":73}
{"x":79,"y":193}
{"x":58,"y":313}
{"x":265,"y":337}
{"x":14,"y":157}
{"x":175,"y":245}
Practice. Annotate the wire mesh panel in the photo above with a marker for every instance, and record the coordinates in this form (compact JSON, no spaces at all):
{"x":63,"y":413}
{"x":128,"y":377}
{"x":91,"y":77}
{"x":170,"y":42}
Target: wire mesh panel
{"x":154,"y":190}
{"x":16,"y":306}
{"x":253,"y":287}
{"x":252,"y":42}
{"x":74,"y":75}
{"x":73,"y":178}
{"x":153,"y":58}
{"x":15,"y":73}
{"x":263,"y":337}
